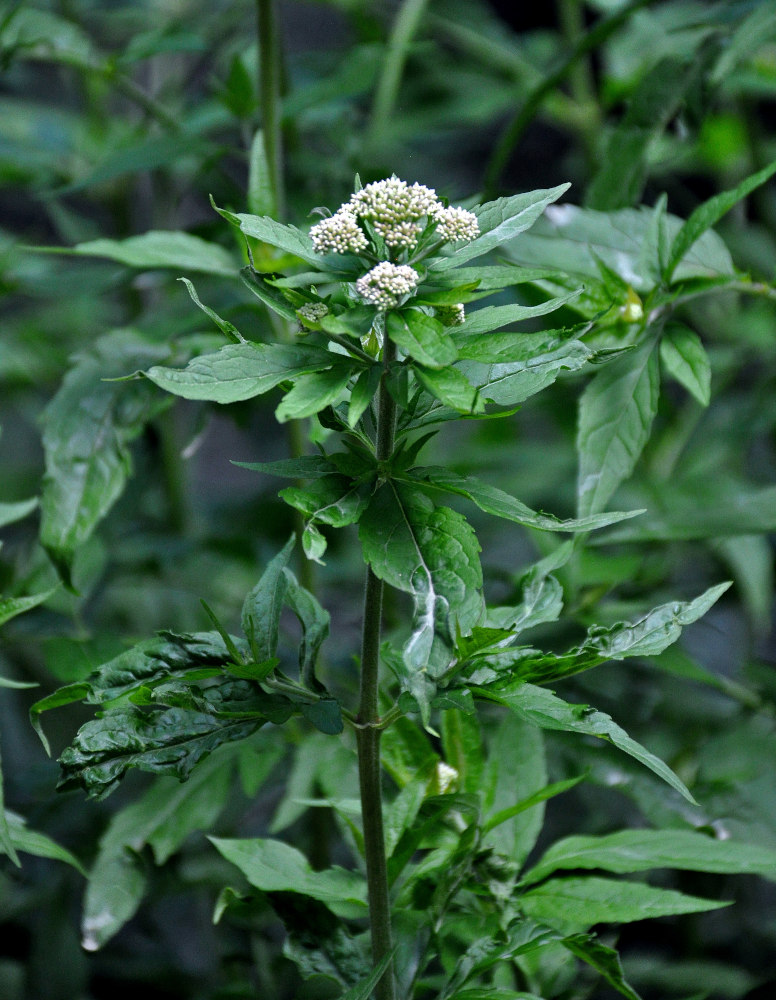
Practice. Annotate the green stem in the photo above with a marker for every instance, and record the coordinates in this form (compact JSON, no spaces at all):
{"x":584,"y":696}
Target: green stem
{"x":581,"y":82}
{"x":269,"y":100}
{"x":514,"y":130}
{"x":368,"y":735}
{"x":404,"y":29}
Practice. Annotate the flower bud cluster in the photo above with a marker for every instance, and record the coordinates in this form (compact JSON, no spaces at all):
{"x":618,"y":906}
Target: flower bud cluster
{"x":456,"y":225}
{"x":312,"y":312}
{"x":340,"y":233}
{"x":386,"y":284}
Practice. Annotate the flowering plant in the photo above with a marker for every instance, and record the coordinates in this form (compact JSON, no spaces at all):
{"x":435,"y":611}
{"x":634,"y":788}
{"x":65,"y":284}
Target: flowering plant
{"x":380,"y":350}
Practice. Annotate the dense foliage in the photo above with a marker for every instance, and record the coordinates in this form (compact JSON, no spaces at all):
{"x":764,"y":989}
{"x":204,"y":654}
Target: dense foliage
{"x":540,"y":415}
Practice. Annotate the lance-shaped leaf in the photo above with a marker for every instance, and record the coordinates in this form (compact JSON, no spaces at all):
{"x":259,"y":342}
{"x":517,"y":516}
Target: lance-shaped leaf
{"x":268,"y":230}
{"x":314,"y":620}
{"x":684,"y":357}
{"x":421,"y":337}
{"x":10,"y":607}
{"x":648,"y":636}
{"x":228,"y":329}
{"x":543,"y":708}
{"x":451,"y":387}
{"x":269,"y":295}
{"x":23,"y":838}
{"x":314,"y":391}
{"x":240,"y":371}
{"x":494,"y":317}
{"x":506,"y":347}
{"x":603,"y":959}
{"x":260,"y":618}
{"x":500,"y":221}
{"x":332,"y":499}
{"x":272,"y":866}
{"x":431,"y":553}
{"x":86,"y":429}
{"x":615,"y":416}
{"x":505,"y":378}
{"x":576,"y":904}
{"x":709,"y":213}
{"x":12,"y":512}
{"x":162,"y":248}
{"x":641,"y":850}
{"x":495,"y":501}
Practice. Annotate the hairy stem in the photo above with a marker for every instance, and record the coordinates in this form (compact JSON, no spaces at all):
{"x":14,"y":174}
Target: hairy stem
{"x":269,"y":100}
{"x":368,"y":733}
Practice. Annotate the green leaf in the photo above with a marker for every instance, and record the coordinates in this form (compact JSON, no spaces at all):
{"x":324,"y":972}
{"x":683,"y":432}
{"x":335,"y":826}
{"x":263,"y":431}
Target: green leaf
{"x":6,"y":843}
{"x":315,"y":621}
{"x":86,"y":429}
{"x":227,"y":328}
{"x":268,"y":293}
{"x":265,"y":228}
{"x":544,"y":709}
{"x":500,"y":221}
{"x":648,"y":636}
{"x":421,"y":337}
{"x":431,"y":553}
{"x":576,"y":240}
{"x":709,"y":213}
{"x":260,"y":616}
{"x":273,"y":866}
{"x":365,"y":989}
{"x":684,"y":356}
{"x":162,"y":818}
{"x":313,"y":392}
{"x":576,"y":904}
{"x":261,"y":197}
{"x":29,"y":841}
{"x":603,"y":959}
{"x":362,"y":393}
{"x":641,"y":850}
{"x":451,"y":387}
{"x":615,"y":416}
{"x":10,"y":607}
{"x":495,"y":501}
{"x":12,"y":512}
{"x":240,"y":371}
{"x":494,"y":317}
{"x":158,"y":248}
{"x":325,"y":715}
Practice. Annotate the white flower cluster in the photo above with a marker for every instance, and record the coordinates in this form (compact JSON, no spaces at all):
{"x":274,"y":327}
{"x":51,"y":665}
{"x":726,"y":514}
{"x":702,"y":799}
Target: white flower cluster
{"x":395,"y":209}
{"x":386,"y":284}
{"x":311,"y":312}
{"x":456,"y":225}
{"x":340,"y":233}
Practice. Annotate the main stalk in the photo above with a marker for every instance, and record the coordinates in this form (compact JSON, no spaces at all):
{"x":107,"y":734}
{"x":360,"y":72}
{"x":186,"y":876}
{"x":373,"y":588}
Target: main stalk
{"x":368,"y":733}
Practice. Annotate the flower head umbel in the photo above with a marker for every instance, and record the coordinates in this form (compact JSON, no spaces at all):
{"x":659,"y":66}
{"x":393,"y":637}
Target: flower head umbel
{"x":386,"y":284}
{"x":340,"y":233}
{"x":456,"y":225}
{"x":395,"y":209}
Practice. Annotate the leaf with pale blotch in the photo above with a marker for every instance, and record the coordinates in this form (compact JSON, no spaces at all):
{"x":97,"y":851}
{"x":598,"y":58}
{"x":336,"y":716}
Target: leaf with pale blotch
{"x":431,"y":553}
{"x":240,"y":371}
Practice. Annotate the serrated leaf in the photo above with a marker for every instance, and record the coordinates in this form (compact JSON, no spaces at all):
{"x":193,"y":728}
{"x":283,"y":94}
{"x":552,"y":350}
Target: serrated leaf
{"x":501,"y":220}
{"x":543,"y":708}
{"x":86,"y":430}
{"x":451,"y":387}
{"x":684,"y":357}
{"x":603,"y":959}
{"x":29,"y":841}
{"x":313,"y":392}
{"x":709,"y":213}
{"x":260,"y":616}
{"x":240,"y":371}
{"x":282,"y":237}
{"x":648,"y":636}
{"x":616,"y":411}
{"x":495,"y":501}
{"x":315,"y":621}
{"x":304,"y":467}
{"x":579,"y":903}
{"x":642,"y":850}
{"x":431,"y":553}
{"x":158,"y":248}
{"x":272,"y":866}
{"x":421,"y":337}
